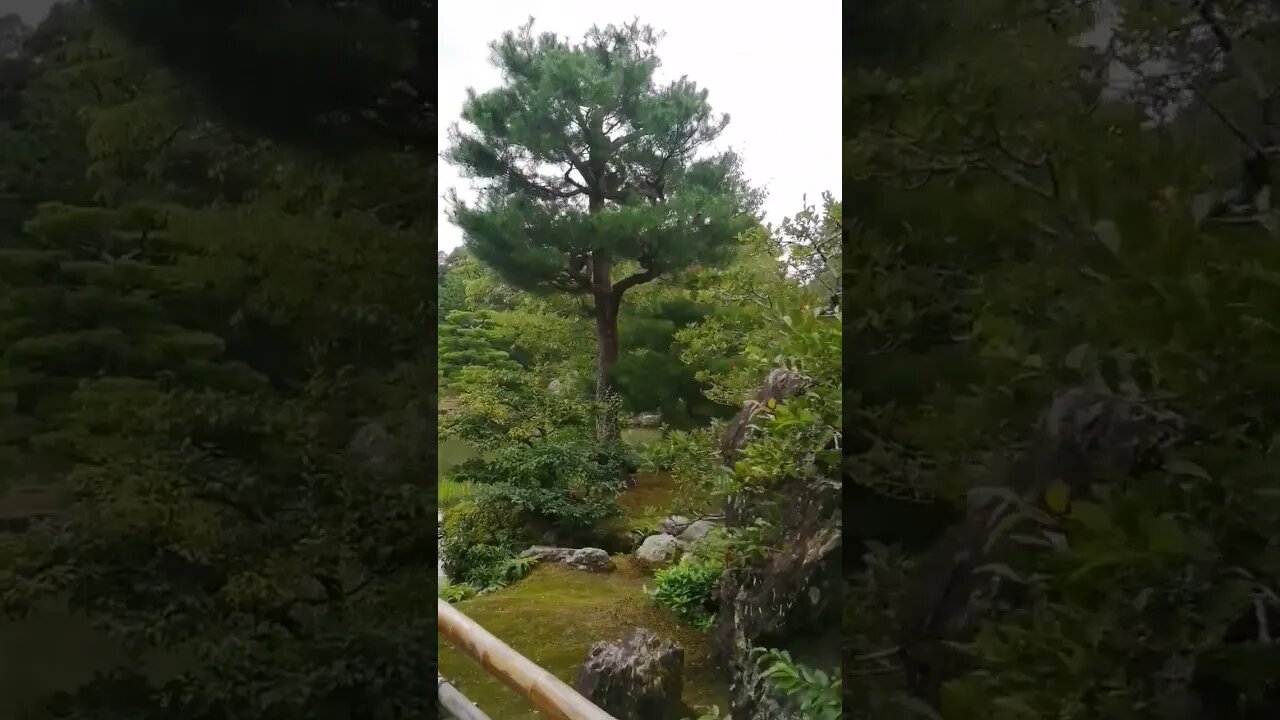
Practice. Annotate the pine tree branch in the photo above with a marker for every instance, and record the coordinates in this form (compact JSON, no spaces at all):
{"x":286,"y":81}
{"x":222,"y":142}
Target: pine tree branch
{"x":631,"y":281}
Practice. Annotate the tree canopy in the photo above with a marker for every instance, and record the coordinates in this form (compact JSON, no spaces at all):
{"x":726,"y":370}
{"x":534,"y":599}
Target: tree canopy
{"x":595,"y":179}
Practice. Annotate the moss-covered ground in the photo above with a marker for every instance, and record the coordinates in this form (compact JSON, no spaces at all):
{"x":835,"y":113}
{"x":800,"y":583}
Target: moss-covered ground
{"x":554,"y":615}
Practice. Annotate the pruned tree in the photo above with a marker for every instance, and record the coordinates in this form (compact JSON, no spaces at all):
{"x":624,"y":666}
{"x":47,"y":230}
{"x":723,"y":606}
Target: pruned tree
{"x":593,"y":182}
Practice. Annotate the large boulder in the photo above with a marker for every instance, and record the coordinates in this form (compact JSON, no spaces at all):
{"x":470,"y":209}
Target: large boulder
{"x":784,"y":597}
{"x":658,"y":551}
{"x":586,"y":559}
{"x":787,"y":598}
{"x":639,"y":678}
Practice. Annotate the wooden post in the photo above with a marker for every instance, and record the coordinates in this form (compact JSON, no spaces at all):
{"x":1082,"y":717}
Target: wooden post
{"x":545,"y":691}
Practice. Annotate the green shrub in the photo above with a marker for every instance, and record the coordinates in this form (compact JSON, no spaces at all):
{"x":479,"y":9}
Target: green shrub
{"x":565,"y":488}
{"x":694,"y":462}
{"x":676,"y":448}
{"x":476,"y":536}
{"x":736,"y":547}
{"x":816,"y":694}
{"x":521,"y":493}
{"x":688,"y":590}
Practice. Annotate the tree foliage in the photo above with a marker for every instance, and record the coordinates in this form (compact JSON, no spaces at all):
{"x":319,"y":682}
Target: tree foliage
{"x":1051,"y":229}
{"x":593,"y":180}
{"x":194,"y":352}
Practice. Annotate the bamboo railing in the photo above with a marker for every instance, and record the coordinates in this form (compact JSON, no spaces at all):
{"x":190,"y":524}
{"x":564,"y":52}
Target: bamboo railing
{"x":545,"y":691}
{"x":455,"y":703}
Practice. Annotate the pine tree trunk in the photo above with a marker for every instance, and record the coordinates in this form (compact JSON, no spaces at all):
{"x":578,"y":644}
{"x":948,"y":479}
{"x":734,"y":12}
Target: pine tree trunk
{"x":606,"y":311}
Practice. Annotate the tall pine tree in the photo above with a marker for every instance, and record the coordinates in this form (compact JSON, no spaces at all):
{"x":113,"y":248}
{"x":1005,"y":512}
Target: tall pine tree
{"x":594,"y":183}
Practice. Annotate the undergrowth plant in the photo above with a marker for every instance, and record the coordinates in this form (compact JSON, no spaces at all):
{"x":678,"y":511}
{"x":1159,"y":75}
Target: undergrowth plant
{"x":452,"y":592}
{"x":451,"y":492}
{"x":816,"y":694}
{"x":688,"y":590}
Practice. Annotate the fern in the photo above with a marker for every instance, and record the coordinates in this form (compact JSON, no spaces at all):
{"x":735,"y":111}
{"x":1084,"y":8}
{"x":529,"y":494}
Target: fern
{"x":517,"y":567}
{"x":452,"y":592}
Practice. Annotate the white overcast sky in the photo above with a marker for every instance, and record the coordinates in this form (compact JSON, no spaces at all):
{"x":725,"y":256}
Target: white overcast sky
{"x":775,"y":70}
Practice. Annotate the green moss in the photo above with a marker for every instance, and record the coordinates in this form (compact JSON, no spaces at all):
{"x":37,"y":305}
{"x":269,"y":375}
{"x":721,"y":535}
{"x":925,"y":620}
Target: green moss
{"x":639,"y":437}
{"x":654,"y":491}
{"x":553,"y":616}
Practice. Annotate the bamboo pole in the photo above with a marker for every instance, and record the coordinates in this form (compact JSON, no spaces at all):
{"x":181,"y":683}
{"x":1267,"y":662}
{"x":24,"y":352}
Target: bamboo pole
{"x":546,"y":691}
{"x":455,"y":703}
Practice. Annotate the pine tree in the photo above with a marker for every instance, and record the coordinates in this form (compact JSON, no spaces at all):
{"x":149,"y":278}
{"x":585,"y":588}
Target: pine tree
{"x":594,"y":184}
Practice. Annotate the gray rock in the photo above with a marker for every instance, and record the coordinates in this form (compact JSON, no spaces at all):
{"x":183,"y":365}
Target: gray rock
{"x":639,"y":678}
{"x":697,"y":530}
{"x":584,"y":559}
{"x":674,"y":525}
{"x":780,"y":385}
{"x":646,"y":420}
{"x":372,"y":446}
{"x":658,"y":550}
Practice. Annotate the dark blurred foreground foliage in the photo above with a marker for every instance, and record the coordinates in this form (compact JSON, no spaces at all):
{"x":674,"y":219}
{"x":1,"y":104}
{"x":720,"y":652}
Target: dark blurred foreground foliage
{"x":216,"y":366}
{"x":1044,"y":198}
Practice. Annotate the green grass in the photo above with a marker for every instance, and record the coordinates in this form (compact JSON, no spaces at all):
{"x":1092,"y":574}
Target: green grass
{"x":553,"y":616}
{"x":452,"y":452}
{"x":451,"y":492}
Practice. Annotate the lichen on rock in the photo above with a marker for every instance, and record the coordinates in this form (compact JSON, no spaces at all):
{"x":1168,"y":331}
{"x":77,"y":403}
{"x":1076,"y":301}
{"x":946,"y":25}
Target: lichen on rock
{"x":585,"y":559}
{"x":658,"y":551}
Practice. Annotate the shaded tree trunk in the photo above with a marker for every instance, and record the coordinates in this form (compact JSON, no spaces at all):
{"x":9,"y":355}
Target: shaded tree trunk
{"x":606,"y":315}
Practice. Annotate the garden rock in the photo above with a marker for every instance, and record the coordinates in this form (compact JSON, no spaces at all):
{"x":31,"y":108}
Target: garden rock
{"x":788,"y":595}
{"x":674,"y":524}
{"x":639,"y":678}
{"x":372,"y":446}
{"x":585,"y":559}
{"x":696,"y":531}
{"x":780,"y":385}
{"x":646,"y":420}
{"x":658,"y":550}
